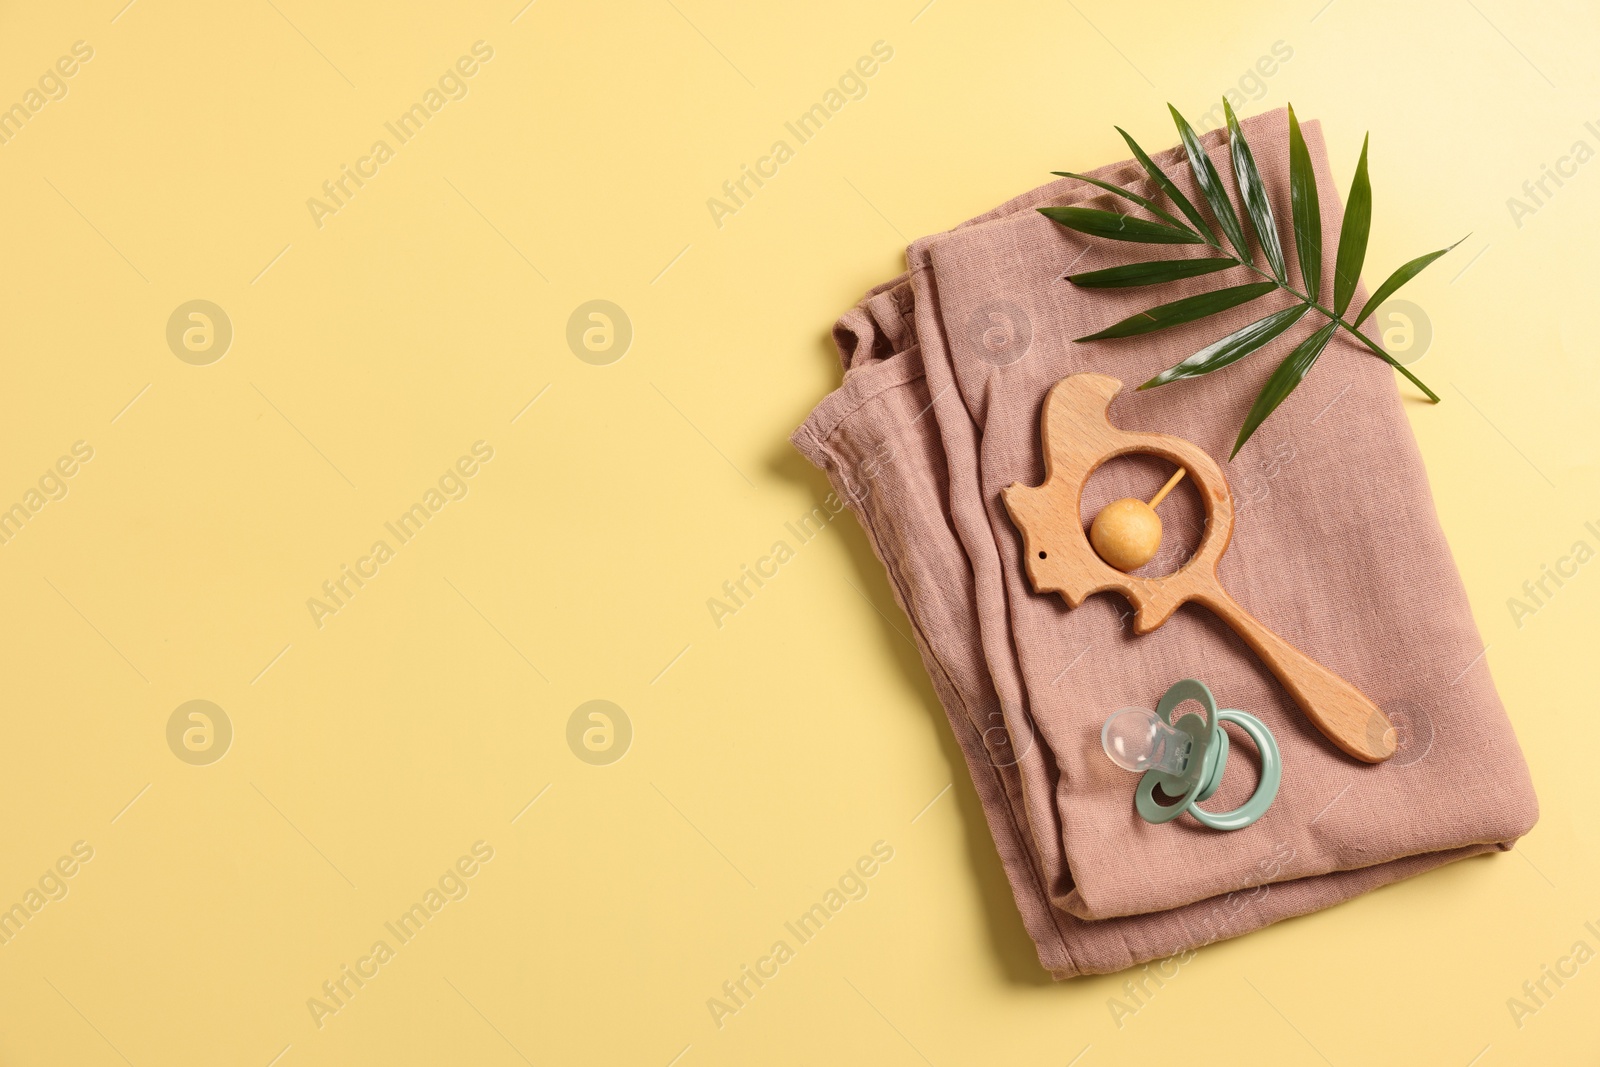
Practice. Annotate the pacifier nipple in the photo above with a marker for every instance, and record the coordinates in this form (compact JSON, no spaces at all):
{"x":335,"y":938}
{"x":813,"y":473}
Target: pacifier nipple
{"x":1138,"y":740}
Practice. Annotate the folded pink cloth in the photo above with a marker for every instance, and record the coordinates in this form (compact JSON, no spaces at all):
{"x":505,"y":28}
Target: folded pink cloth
{"x":1336,"y":547}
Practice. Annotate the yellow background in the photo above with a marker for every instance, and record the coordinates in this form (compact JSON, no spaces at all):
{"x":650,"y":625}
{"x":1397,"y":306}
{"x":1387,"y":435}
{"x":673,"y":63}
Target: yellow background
{"x":767,"y":755}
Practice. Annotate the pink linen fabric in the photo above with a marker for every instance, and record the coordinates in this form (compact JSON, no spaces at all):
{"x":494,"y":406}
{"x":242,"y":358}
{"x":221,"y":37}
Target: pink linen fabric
{"x":1336,"y":546}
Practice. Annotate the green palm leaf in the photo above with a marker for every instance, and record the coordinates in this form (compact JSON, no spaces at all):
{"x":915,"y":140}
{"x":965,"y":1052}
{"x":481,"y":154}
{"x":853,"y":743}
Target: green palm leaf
{"x":1210,"y":182}
{"x":1396,"y":280}
{"x":1109,"y":224}
{"x":1307,"y":210}
{"x":1248,"y":179}
{"x":1290,"y":373}
{"x":1188,"y":309}
{"x":1151,"y":273}
{"x":1168,"y":228}
{"x":1125,"y":194}
{"x":1165,"y":184}
{"x":1231,"y":348}
{"x":1353,"y":236}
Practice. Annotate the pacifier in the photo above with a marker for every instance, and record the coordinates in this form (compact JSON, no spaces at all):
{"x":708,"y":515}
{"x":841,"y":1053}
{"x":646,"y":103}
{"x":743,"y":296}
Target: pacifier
{"x":1186,"y":759}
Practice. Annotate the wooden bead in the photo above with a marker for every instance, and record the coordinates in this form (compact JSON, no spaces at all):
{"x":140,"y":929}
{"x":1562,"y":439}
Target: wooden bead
{"x":1126,"y":534}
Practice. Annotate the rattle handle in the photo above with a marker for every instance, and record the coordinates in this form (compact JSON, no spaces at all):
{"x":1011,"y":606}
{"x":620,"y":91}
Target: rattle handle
{"x":1341,"y":711}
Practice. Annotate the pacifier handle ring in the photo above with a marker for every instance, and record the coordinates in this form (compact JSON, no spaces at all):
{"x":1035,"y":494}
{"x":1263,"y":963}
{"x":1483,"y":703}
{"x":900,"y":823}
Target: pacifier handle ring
{"x":1266,"y":790}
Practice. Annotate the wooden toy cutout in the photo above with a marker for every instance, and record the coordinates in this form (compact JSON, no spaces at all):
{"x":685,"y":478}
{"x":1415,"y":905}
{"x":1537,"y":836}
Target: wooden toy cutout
{"x":1078,"y":438}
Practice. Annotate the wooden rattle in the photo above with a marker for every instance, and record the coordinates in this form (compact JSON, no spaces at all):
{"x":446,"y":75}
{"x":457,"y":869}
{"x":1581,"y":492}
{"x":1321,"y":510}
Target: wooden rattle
{"x":1078,"y":438}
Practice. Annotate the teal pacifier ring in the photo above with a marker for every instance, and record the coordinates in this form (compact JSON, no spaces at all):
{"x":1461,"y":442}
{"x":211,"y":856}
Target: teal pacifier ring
{"x":1194,"y":753}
